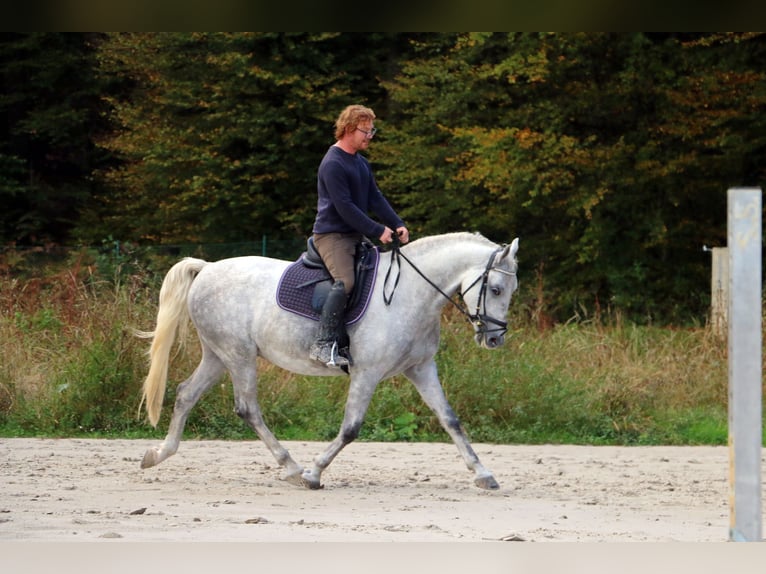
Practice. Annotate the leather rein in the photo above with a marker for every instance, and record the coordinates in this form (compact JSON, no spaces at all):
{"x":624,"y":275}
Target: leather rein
{"x":479,"y":320}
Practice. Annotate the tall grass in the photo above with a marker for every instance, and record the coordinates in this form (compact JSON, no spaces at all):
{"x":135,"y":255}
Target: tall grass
{"x":70,"y":361}
{"x":71,"y":366}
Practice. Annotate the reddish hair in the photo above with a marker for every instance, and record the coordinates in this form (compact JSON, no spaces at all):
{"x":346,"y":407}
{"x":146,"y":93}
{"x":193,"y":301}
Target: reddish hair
{"x":351,"y":117}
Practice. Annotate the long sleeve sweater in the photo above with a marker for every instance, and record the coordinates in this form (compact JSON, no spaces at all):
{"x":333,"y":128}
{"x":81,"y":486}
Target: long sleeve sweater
{"x":347,"y":192}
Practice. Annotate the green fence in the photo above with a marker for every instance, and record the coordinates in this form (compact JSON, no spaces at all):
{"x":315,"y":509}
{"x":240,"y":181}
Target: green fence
{"x":20,"y":260}
{"x":277,"y":248}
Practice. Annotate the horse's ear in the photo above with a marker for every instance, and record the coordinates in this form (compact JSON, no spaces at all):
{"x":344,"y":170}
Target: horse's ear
{"x":508,"y":250}
{"x":512,"y":248}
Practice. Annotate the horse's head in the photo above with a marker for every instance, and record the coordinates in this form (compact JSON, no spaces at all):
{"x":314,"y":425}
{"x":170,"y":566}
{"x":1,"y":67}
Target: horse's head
{"x":489,"y":295}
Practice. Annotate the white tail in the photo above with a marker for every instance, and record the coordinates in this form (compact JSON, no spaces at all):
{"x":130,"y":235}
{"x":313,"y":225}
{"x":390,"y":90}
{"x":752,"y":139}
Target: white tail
{"x":172,"y":319}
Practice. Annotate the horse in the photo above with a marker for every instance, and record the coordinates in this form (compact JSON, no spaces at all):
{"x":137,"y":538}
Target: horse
{"x":232,"y":305}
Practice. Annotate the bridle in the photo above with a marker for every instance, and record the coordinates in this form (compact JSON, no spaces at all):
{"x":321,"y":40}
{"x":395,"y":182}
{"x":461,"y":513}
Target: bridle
{"x":480,"y":321}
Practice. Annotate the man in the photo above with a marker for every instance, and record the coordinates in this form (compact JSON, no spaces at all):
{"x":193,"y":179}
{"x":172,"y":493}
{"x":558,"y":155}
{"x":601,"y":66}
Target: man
{"x":347,"y":191}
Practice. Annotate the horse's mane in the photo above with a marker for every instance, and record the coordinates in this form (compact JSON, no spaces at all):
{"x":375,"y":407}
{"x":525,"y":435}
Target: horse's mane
{"x":458,"y":236}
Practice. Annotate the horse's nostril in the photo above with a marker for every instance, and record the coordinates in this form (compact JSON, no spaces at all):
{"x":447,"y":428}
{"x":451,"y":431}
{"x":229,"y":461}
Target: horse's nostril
{"x":495,"y":342}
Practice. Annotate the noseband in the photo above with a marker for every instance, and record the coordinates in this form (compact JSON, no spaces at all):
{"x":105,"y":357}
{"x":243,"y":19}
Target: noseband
{"x":480,"y":321}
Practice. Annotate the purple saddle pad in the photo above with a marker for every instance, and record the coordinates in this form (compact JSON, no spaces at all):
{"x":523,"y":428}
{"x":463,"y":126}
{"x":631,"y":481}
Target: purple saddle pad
{"x":295,"y":291}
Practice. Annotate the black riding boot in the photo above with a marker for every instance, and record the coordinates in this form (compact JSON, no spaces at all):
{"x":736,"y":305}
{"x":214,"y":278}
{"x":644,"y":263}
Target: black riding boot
{"x":331,"y":344}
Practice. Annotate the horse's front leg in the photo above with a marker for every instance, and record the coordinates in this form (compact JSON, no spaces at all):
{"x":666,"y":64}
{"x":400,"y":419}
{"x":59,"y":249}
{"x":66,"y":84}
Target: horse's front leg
{"x":426,"y":381}
{"x":360,"y":391}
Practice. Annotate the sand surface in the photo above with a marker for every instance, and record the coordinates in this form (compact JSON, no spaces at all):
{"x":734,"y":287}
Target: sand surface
{"x":90,"y":490}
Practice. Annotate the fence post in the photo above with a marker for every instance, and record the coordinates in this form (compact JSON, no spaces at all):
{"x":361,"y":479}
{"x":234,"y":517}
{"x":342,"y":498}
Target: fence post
{"x":745,"y":408}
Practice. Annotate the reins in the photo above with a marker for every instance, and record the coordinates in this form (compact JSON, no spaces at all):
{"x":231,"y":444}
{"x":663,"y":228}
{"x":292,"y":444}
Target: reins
{"x":396,"y":254}
{"x":478,"y":319}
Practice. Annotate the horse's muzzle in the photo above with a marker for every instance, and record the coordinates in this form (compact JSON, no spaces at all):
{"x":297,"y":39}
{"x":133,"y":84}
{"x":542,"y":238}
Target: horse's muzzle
{"x":489,"y":340}
{"x":490,"y":333}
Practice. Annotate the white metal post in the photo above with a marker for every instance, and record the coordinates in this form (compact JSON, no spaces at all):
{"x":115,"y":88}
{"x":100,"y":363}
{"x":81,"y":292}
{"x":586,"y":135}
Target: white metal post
{"x":745,"y":407}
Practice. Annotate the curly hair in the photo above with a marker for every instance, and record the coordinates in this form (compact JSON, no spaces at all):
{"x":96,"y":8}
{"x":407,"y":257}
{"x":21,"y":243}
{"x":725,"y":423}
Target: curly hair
{"x":351,"y":117}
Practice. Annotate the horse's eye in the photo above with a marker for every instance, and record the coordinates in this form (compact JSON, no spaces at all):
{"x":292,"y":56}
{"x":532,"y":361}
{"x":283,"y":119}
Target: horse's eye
{"x":496,"y":291}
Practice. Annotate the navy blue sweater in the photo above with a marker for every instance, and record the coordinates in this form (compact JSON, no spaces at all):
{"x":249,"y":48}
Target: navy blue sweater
{"x":347,"y":192}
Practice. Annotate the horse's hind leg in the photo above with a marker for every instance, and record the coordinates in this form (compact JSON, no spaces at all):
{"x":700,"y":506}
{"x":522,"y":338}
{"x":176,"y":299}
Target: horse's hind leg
{"x":246,"y":405}
{"x":188,"y":393}
{"x":426,"y":381}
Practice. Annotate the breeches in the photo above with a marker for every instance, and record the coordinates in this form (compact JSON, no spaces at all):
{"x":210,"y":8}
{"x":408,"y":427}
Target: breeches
{"x":337,"y":251}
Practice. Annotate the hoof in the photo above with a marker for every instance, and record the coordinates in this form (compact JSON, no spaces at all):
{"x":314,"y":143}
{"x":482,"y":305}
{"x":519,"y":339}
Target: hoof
{"x":296,"y":478}
{"x":487,"y":482}
{"x":311,"y":480}
{"x":303,"y":479}
{"x":151,"y":458}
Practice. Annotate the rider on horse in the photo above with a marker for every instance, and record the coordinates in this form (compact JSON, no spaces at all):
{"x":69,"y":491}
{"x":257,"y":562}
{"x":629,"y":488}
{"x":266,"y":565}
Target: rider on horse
{"x":347,"y":191}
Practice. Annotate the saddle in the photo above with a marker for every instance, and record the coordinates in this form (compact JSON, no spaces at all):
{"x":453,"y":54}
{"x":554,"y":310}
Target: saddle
{"x":305,"y":284}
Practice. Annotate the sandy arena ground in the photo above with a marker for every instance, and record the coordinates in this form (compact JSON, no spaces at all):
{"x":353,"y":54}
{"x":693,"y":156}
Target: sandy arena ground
{"x":91,"y":490}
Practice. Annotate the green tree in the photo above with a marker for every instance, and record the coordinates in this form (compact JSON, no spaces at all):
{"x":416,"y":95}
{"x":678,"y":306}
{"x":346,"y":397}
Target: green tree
{"x":51,"y":110}
{"x":221,"y":134}
{"x":609,"y":154}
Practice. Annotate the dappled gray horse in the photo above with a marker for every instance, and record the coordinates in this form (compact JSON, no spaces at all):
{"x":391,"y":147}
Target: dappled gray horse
{"x":232,"y":303}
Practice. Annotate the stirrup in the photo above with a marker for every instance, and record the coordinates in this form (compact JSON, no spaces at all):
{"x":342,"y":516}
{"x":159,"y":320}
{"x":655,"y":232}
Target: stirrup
{"x":334,"y":354}
{"x":319,"y":353}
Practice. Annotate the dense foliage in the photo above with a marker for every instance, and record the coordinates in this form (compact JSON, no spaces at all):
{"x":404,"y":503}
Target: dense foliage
{"x":608,"y":154}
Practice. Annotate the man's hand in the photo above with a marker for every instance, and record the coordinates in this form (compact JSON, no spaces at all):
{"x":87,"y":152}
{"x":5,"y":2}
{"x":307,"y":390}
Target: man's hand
{"x":401,"y":232}
{"x":386,"y":236}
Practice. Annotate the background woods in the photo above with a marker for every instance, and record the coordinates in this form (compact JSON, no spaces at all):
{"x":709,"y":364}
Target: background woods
{"x":608,"y":154}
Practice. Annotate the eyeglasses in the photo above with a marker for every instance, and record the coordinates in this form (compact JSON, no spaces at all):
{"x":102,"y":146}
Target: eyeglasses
{"x":370,"y":133}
